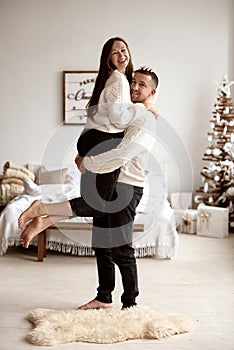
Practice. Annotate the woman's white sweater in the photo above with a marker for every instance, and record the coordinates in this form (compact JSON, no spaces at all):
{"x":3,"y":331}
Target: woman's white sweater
{"x":115,"y":110}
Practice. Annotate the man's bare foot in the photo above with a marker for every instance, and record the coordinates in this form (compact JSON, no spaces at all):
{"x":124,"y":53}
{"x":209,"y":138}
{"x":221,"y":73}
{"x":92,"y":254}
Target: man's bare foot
{"x":95,"y":304}
{"x":36,"y":226}
{"x":124,"y":308}
{"x":37,"y":208}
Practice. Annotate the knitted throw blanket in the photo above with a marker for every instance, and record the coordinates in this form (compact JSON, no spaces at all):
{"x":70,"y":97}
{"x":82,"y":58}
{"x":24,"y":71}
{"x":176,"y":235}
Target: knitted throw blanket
{"x":12,"y":181}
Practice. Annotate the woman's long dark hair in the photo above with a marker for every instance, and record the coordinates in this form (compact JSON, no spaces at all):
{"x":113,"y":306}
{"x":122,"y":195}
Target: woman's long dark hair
{"x":105,"y":69}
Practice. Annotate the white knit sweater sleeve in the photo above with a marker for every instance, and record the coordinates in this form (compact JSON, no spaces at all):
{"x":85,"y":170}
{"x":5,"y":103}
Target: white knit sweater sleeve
{"x":135,"y":140}
{"x":117,"y":97}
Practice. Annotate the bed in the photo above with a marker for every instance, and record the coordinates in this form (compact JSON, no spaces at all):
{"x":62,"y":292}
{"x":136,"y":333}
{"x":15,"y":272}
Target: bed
{"x":159,"y":239}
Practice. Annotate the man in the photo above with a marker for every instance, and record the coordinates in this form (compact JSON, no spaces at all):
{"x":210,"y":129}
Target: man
{"x":112,"y":229}
{"x":112,"y":233}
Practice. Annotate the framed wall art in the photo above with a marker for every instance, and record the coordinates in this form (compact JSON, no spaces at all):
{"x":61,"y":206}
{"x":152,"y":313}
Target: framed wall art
{"x":77,"y":90}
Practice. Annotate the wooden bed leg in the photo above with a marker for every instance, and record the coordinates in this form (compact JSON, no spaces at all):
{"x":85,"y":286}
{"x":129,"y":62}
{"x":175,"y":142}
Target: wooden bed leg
{"x":41,"y":247}
{"x":44,"y":253}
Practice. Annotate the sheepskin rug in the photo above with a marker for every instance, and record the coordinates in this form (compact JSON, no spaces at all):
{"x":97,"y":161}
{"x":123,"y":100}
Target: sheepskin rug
{"x":103,"y":326}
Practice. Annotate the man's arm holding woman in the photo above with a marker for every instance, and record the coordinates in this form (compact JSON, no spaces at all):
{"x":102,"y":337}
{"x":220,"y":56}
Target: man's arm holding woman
{"x":135,"y":140}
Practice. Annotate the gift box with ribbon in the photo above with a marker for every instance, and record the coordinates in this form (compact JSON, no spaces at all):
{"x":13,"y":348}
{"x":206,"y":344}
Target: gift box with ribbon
{"x":212,"y":221}
{"x":188,"y":222}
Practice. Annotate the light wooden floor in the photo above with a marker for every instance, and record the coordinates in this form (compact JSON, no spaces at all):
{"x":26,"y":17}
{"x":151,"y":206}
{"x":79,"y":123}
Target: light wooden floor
{"x":198,"y":283}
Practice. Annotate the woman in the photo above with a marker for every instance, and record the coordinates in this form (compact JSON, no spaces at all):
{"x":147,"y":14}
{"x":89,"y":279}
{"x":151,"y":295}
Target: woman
{"x":108,"y":115}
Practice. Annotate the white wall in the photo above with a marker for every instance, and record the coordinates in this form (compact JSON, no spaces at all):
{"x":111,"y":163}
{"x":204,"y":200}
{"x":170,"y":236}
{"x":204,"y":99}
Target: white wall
{"x":189,"y":43}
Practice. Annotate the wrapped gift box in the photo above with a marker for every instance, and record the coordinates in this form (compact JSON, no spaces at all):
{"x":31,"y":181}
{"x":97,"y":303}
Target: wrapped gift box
{"x":186,"y":220}
{"x":212,"y":221}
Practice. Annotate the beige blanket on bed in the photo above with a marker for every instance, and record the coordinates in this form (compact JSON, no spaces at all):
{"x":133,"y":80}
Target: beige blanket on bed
{"x":12,"y":181}
{"x":9,"y":191}
{"x":12,"y":170}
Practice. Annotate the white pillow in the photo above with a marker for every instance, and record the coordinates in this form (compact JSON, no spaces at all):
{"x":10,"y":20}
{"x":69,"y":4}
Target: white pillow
{"x":73,"y":177}
{"x":154,"y":192}
{"x":31,"y":187}
{"x":181,"y":200}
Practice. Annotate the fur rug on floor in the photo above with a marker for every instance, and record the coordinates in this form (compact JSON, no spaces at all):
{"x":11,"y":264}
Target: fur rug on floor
{"x":103,"y":326}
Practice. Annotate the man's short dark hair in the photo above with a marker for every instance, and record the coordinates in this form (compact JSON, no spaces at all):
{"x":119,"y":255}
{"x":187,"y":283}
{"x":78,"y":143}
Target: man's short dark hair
{"x":150,"y":72}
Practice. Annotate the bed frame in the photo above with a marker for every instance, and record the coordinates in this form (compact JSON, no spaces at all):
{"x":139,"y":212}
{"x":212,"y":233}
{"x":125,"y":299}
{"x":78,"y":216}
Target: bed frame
{"x":41,"y":246}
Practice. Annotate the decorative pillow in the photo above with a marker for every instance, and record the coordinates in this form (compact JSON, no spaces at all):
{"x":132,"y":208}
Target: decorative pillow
{"x":52,"y":177}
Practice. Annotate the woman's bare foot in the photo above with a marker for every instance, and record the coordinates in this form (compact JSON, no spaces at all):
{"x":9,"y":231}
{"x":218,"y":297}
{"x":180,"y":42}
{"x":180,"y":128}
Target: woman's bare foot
{"x":36,"y":226}
{"x":95,"y":304}
{"x":37,"y":208}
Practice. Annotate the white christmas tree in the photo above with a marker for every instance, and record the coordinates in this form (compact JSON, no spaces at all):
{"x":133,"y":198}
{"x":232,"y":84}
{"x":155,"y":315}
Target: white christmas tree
{"x":218,"y":174}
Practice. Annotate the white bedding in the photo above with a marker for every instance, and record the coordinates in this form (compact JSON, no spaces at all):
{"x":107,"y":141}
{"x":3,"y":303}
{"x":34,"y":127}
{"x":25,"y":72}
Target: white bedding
{"x":159,"y":239}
